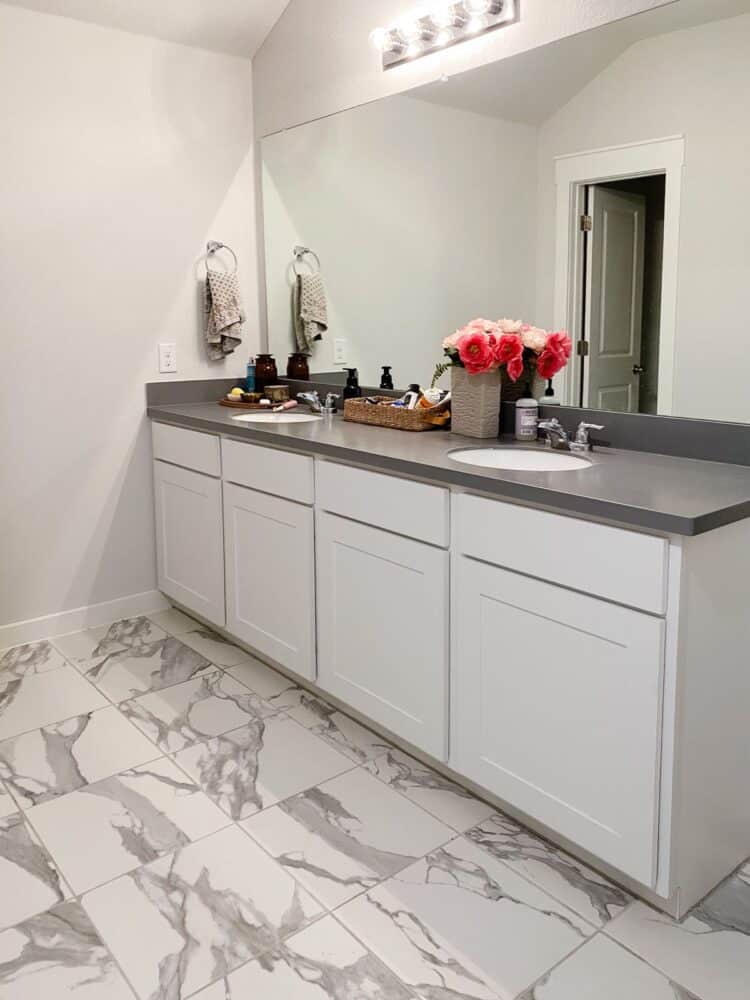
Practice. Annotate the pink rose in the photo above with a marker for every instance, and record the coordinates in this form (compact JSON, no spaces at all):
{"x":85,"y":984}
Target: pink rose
{"x":514,"y":368}
{"x":451,"y":342}
{"x":510,"y":325}
{"x":534,"y":338}
{"x":559,"y":343}
{"x":477,"y":351}
{"x":509,"y":347}
{"x":550,"y":363}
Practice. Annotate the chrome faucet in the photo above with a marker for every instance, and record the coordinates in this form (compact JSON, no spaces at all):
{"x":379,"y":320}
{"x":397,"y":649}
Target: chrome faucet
{"x":312,"y":399}
{"x":559,"y":439}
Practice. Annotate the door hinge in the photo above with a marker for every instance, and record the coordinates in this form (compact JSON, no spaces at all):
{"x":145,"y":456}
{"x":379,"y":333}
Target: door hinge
{"x":587,"y":223}
{"x":582,"y":348}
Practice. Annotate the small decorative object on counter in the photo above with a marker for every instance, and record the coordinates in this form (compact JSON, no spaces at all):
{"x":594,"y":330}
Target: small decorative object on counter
{"x":352,"y":389}
{"x":297,"y":367}
{"x":527,"y":417}
{"x":265,"y":372}
{"x":277,"y":393}
{"x":386,"y":379}
{"x":483,"y":356}
{"x":251,"y":375}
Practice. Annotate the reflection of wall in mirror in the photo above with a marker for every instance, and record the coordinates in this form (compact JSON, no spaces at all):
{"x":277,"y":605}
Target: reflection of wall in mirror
{"x":696,"y":83}
{"x":423,"y":216}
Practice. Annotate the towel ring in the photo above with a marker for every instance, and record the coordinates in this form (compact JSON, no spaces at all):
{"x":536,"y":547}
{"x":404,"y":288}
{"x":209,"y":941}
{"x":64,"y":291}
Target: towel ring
{"x":212,"y":247}
{"x":300,"y":253}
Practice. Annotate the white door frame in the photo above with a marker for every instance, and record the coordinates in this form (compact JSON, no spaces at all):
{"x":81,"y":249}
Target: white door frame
{"x":573,"y":173}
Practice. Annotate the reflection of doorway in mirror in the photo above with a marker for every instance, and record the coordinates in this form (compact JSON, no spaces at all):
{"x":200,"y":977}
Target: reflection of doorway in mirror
{"x":622,"y":278}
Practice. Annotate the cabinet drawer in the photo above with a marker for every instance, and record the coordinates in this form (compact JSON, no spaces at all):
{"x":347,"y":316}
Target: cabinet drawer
{"x":619,"y":565}
{"x":269,"y":470}
{"x":190,"y":449}
{"x":400,"y":505}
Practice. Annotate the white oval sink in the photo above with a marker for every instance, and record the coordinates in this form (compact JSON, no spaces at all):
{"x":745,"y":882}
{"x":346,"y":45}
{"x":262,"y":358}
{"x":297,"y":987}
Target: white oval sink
{"x":521,"y":459}
{"x":285,"y":417}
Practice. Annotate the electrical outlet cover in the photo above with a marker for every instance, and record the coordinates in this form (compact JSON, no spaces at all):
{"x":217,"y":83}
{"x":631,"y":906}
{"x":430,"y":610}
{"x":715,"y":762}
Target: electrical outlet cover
{"x":339,"y":351}
{"x":167,"y":358}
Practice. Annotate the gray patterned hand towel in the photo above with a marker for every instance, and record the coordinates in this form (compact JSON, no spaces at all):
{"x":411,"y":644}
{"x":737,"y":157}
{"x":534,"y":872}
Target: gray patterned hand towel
{"x":310,"y":311}
{"x":224,"y":314}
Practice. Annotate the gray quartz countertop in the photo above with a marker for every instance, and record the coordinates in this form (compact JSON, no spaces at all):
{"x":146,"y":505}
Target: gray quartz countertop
{"x":661,"y":493}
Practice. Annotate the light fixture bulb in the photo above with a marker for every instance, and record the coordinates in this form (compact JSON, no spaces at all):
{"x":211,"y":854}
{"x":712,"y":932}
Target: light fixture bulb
{"x":379,"y":38}
{"x":484,"y":6}
{"x":451,"y":15}
{"x":444,"y":37}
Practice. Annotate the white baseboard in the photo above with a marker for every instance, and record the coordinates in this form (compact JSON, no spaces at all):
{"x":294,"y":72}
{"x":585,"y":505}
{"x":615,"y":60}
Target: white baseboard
{"x":19,"y":633}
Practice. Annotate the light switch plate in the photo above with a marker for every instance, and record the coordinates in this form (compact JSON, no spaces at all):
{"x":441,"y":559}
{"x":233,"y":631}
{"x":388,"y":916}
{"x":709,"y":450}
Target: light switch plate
{"x":167,"y":358}
{"x":339,"y":351}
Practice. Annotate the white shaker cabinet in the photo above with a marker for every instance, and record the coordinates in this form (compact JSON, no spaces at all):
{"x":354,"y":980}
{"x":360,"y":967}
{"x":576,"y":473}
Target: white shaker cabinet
{"x":190,"y":540}
{"x":557,"y":709}
{"x":383,"y":628}
{"x":270,"y":552}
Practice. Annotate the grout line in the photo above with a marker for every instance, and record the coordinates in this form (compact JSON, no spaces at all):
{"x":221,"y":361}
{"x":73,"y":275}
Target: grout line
{"x":545,"y":975}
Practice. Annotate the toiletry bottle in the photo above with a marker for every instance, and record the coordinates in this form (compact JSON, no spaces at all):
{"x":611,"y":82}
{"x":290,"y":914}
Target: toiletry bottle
{"x":352,"y":388}
{"x":413,"y":396}
{"x":251,"y":375}
{"x":527,"y":416}
{"x":386,"y":379}
{"x":550,"y":399}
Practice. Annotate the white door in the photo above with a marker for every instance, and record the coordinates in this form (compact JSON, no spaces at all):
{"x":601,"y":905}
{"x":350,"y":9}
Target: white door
{"x":557,"y":710}
{"x":270,"y":559}
{"x":190,"y":539}
{"x":614,"y":299}
{"x":383,"y":628}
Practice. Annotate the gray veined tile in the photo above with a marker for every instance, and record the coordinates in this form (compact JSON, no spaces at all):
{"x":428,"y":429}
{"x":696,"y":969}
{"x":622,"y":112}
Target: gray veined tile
{"x":338,"y":729}
{"x":346,"y":835}
{"x":173,"y":621}
{"x":565,"y":878}
{"x":214,"y":647}
{"x":29,"y":880}
{"x":199,"y":709}
{"x":462,"y":923}
{"x":7,"y":803}
{"x":191,"y":918}
{"x":264,"y":762}
{"x":58,"y":759}
{"x":323,"y":961}
{"x":38,"y":688}
{"x":94,"y":646}
{"x":708,"y":953}
{"x":601,"y":970}
{"x":55,"y":955}
{"x":113,"y":826}
{"x":272,"y":686}
{"x":429,"y":789}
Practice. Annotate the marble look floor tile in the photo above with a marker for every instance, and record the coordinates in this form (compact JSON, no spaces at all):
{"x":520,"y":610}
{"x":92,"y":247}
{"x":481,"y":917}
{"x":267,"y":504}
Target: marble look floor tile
{"x":346,"y":835}
{"x":7,"y":803}
{"x":38,"y":688}
{"x":173,"y":621}
{"x":272,"y":686}
{"x":214,"y":647}
{"x":29,"y":881}
{"x":94,"y":646}
{"x":264,"y":762}
{"x":57,"y":955}
{"x":114,"y":825}
{"x":460,"y":921}
{"x":708,"y":953}
{"x":49,"y":762}
{"x":206,"y":706}
{"x":338,"y":729}
{"x":452,"y":804}
{"x":562,"y":876}
{"x":191,"y":918}
{"x":323,"y":961}
{"x":601,"y":970}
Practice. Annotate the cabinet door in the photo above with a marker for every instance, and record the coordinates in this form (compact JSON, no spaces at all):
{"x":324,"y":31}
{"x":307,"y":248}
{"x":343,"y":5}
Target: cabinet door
{"x":189,"y":540}
{"x":270,"y":576}
{"x":383,"y":628}
{"x":557,"y":705}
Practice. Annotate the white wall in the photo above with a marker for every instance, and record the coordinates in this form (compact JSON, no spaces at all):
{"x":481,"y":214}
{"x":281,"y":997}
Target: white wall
{"x":120,"y":156}
{"x":424,"y":215}
{"x":696,"y":83}
{"x":318,"y":59}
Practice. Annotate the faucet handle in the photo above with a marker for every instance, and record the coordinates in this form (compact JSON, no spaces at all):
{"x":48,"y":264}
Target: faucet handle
{"x":582,"y":434}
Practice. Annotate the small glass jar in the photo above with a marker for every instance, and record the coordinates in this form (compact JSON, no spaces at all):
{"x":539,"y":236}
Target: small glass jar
{"x":297,"y":367}
{"x":265,"y":371}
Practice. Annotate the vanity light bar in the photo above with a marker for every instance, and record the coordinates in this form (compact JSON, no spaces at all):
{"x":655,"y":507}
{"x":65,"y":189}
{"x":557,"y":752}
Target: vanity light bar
{"x":446,"y":24}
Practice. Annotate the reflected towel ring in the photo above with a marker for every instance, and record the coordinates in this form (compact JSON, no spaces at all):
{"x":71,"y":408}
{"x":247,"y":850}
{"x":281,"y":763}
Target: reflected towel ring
{"x":300,"y":253}
{"x":212,"y":248}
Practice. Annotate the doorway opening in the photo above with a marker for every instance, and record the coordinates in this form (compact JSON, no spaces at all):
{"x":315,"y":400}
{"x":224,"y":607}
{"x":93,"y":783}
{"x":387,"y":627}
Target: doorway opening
{"x":621,"y":276}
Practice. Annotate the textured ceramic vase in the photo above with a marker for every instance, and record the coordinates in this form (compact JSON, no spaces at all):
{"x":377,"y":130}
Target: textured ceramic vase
{"x":475,"y":403}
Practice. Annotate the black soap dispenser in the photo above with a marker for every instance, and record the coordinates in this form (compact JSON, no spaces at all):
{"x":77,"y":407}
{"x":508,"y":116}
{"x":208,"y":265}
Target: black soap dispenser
{"x":352,"y":389}
{"x":386,"y":379}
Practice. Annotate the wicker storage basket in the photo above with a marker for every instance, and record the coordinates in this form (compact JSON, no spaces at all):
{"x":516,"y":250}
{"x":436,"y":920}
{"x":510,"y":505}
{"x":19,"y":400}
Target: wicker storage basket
{"x":397,"y":417}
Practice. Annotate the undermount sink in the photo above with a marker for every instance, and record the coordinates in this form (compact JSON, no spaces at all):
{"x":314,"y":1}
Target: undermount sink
{"x":285,"y":417}
{"x":521,"y":459}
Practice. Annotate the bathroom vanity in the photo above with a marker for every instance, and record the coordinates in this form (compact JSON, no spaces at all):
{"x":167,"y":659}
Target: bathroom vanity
{"x":574,"y":643}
